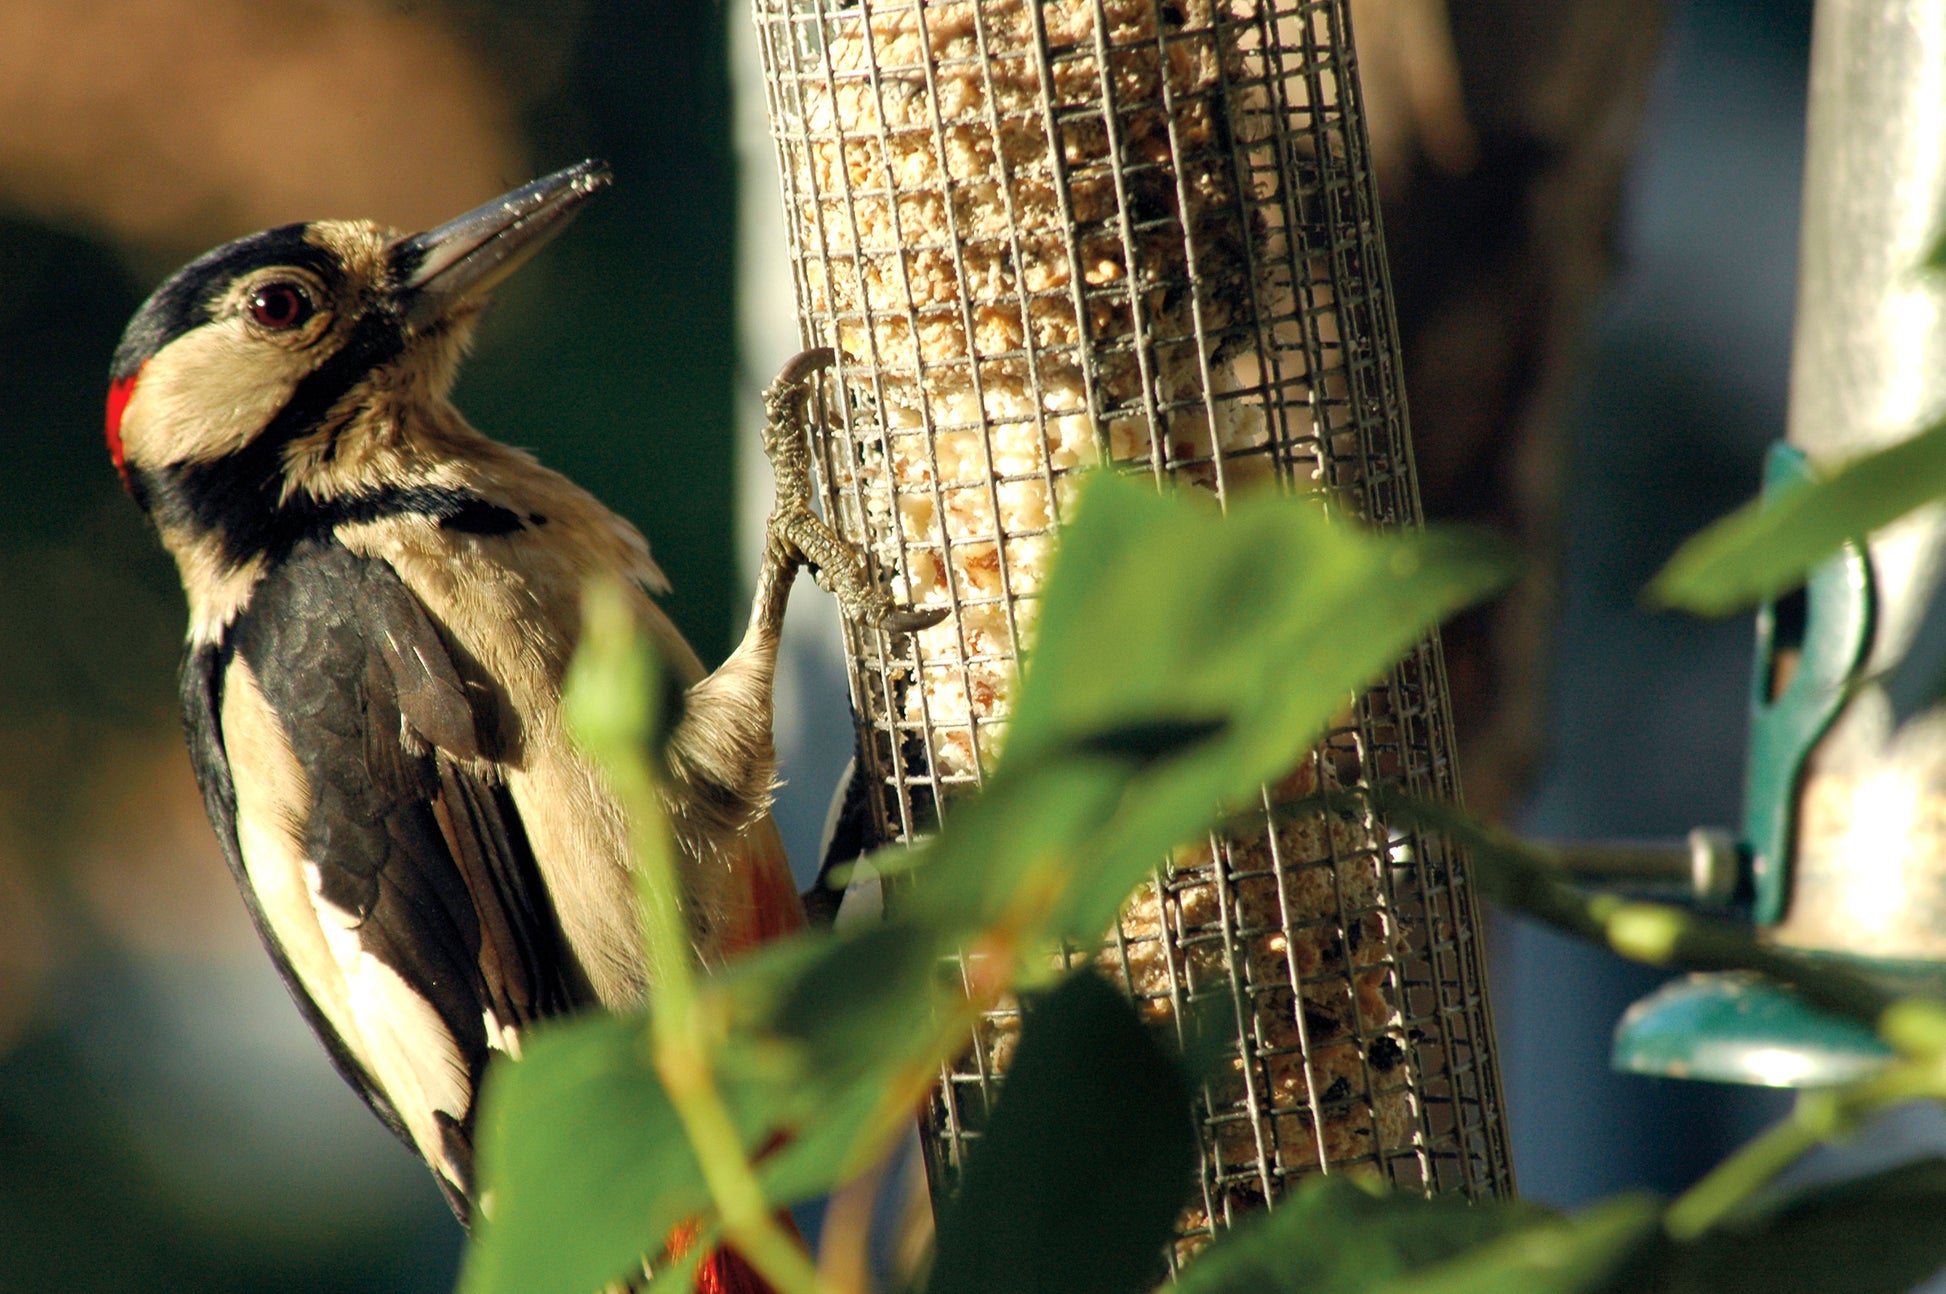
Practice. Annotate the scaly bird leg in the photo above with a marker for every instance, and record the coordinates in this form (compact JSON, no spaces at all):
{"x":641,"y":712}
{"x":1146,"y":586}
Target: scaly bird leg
{"x":797,"y":535}
{"x":722,"y":745}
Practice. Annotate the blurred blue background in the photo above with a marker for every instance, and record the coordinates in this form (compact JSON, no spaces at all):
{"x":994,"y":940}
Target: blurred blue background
{"x":1684,"y":389}
{"x":165,"y":1121}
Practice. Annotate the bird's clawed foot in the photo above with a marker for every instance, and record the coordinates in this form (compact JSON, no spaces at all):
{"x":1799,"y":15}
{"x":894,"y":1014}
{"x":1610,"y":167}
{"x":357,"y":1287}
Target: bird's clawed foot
{"x":798,"y":534}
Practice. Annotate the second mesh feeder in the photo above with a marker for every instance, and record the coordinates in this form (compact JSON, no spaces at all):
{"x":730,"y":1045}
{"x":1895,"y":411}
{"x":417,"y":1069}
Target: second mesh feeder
{"x":1048,"y":236}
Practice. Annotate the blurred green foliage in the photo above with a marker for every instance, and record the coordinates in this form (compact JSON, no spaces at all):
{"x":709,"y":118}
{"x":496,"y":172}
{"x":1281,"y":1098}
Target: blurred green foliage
{"x":1768,"y":547}
{"x":1092,"y":1091}
{"x":832,"y":1040}
{"x":1160,"y":692}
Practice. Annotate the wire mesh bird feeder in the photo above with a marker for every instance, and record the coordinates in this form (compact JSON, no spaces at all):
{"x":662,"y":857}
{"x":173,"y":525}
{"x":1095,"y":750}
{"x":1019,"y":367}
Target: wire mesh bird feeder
{"x":1045,"y":235}
{"x":1842,"y":852}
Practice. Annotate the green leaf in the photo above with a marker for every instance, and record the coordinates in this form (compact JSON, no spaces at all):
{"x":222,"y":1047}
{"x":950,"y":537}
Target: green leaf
{"x":1302,"y":612}
{"x":1162,"y":609}
{"x":1010,"y":855}
{"x":862,"y":1016}
{"x":1881,"y":1234}
{"x":825,"y":1032}
{"x":847,"y":998}
{"x":1074,"y":1184}
{"x":1190,"y":656}
{"x":1769,"y":546}
{"x":582,"y":1159}
{"x":1336,"y":1236}
{"x":827,"y":1038}
{"x":852,"y":1130}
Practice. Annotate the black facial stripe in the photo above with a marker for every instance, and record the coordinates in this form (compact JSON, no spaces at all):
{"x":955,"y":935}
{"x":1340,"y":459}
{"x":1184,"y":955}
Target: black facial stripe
{"x":236,"y":496}
{"x":456,"y":510}
{"x":186,"y":299}
{"x":276,"y":533}
{"x":475,"y":516}
{"x":375,"y":340}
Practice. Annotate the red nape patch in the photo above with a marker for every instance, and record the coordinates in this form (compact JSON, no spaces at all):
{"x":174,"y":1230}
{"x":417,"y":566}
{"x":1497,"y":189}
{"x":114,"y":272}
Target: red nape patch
{"x":118,"y":393}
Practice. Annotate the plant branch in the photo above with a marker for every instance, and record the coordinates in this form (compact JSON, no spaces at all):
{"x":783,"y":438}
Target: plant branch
{"x":612,"y":704}
{"x":1820,"y":1115}
{"x":1521,"y":877}
{"x":1524,"y":878}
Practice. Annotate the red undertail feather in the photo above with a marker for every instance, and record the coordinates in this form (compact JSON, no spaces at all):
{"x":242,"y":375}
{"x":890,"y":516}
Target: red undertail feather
{"x":724,"y":1271}
{"x":771,"y":910}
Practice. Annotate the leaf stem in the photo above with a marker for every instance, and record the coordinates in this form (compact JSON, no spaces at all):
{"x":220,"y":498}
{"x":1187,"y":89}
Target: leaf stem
{"x":1821,"y":1115}
{"x":1816,"y":1118}
{"x":1524,"y":878}
{"x":616,"y":723}
{"x":683,"y":1047}
{"x":1519,"y":876}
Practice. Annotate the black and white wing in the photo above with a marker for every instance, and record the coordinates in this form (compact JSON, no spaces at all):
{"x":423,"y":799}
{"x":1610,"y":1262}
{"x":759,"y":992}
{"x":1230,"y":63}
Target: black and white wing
{"x":343,"y":766}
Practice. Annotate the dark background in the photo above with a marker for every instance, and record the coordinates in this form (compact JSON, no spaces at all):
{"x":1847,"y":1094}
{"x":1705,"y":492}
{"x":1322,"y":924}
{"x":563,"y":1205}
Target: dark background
{"x":165,"y":1122}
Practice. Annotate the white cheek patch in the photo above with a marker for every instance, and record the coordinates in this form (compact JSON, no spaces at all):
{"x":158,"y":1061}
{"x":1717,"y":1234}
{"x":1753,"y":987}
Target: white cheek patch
{"x":206,"y":394}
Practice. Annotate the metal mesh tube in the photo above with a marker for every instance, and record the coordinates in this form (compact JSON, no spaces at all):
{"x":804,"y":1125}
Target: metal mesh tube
{"x":1049,"y":235}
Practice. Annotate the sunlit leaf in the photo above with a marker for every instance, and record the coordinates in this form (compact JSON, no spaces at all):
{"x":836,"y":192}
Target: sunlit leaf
{"x":1769,"y":546}
{"x":1184,"y":657}
{"x":1074,"y":1183}
{"x":863,"y":1017}
{"x":1160,"y":608}
{"x":1237,"y":636}
{"x":583,"y":1161}
{"x":848,"y":996}
{"x":853,"y":1128}
{"x":1129,"y":737}
{"x":1335,"y":1236}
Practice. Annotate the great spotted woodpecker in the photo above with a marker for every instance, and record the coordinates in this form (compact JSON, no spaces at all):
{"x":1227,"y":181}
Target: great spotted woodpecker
{"x":382,"y":602}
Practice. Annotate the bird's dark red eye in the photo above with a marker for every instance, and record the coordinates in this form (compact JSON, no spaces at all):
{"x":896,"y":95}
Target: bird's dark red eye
{"x":280,"y":306}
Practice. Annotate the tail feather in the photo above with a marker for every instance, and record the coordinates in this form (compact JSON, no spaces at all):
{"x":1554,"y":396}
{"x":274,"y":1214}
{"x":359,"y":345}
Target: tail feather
{"x":726,"y":1272}
{"x":771,"y":910}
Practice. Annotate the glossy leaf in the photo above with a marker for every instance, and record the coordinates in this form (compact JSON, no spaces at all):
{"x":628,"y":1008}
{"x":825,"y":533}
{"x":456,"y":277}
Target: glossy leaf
{"x":1128,"y":738}
{"x":1185,"y":657}
{"x":1108,"y":765}
{"x":1162,"y":609}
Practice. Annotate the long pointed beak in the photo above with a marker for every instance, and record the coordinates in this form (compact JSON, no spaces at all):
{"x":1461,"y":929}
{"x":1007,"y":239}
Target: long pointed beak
{"x":467,"y":257}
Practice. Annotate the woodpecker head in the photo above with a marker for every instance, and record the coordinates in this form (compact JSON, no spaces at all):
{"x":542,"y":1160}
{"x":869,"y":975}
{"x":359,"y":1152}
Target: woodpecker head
{"x":238,"y":381}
